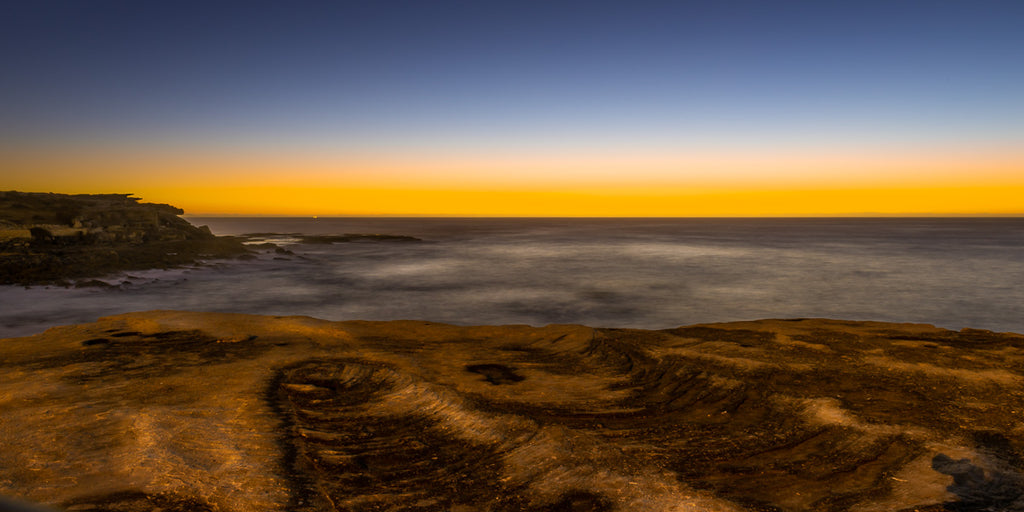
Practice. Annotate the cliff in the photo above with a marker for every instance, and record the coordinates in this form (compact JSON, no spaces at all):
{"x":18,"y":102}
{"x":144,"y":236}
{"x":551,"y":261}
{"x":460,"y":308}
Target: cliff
{"x":51,"y":238}
{"x":201,"y":411}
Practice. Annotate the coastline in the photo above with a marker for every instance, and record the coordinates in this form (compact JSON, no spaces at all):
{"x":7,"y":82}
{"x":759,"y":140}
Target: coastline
{"x":804,"y":414}
{"x":647,"y":274}
{"x":72,"y":239}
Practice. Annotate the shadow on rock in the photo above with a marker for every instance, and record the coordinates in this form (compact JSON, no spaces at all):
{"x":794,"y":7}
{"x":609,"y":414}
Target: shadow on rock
{"x":980,"y":492}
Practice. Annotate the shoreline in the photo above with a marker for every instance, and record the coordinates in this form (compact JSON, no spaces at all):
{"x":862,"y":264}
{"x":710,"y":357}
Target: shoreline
{"x":60,"y":239}
{"x":80,"y":304}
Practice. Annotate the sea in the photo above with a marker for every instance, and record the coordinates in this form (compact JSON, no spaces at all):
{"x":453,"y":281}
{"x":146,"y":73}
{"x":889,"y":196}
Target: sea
{"x":641,"y":273}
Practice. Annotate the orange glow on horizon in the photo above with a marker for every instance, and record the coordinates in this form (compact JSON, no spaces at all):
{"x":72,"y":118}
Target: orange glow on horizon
{"x":956,"y":182}
{"x":251,"y":200}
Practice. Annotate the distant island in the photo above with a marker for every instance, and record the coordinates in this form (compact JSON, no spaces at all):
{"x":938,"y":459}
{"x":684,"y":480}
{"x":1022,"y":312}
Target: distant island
{"x":181,"y":411}
{"x":56,"y":238}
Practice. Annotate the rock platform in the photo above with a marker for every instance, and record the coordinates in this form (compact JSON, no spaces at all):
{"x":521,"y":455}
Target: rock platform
{"x":170,"y":410}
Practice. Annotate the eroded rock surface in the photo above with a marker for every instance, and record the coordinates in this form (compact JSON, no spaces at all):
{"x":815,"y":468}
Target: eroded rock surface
{"x":194,"y":411}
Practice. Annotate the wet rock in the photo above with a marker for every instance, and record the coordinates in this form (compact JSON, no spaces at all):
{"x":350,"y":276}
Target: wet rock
{"x":267,"y":240}
{"x":92,"y":283}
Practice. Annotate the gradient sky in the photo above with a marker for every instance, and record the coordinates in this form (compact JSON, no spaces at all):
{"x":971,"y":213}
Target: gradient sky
{"x":520,"y":108}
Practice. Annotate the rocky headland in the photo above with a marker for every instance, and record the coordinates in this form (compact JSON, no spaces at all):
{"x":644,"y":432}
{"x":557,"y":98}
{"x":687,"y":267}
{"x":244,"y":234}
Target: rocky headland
{"x":56,"y":238}
{"x":179,"y":411}
{"x":63,"y":239}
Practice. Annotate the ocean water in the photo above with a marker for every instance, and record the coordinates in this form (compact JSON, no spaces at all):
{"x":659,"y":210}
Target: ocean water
{"x":646,"y":273}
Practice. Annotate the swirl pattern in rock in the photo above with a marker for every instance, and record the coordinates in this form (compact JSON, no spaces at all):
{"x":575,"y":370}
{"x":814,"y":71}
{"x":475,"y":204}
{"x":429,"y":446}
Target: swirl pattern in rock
{"x":198,"y":411}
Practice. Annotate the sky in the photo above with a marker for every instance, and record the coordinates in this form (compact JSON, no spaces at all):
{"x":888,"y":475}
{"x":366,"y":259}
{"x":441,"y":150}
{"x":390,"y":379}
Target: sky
{"x":520,"y":108}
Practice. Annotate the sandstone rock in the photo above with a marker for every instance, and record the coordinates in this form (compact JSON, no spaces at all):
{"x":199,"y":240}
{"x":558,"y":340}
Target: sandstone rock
{"x":201,"y":411}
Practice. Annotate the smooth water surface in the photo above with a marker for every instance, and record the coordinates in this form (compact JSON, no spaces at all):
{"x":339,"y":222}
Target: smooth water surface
{"x":647,"y":273}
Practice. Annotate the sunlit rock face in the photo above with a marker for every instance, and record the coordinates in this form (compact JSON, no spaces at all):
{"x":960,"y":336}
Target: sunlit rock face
{"x":197,"y":411}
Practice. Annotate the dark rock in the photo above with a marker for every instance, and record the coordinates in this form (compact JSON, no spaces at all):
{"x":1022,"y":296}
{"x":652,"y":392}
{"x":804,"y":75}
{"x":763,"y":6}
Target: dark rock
{"x":93,"y":283}
{"x":326,"y":239}
{"x":355,"y":237}
{"x":74,"y":236}
{"x":496,"y":373}
{"x":40,"y":235}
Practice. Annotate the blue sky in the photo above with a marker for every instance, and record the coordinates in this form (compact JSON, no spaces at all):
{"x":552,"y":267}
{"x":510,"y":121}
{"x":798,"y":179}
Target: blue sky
{"x":522,"y":79}
{"x":393,"y":73}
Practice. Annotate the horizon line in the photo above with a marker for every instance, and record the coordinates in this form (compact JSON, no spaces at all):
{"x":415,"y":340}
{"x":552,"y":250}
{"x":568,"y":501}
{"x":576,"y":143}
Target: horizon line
{"x":864,"y":215}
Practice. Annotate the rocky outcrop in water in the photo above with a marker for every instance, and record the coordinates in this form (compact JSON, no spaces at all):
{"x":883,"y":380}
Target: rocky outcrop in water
{"x":299,"y":238}
{"x":195,"y":411}
{"x":51,"y":238}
